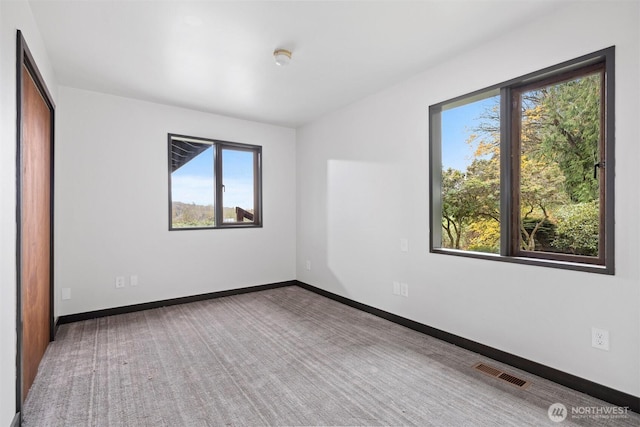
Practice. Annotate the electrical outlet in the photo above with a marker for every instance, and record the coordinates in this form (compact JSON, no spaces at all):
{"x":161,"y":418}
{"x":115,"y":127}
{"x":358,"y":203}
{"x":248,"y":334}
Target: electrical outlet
{"x":66,"y":293}
{"x":396,"y":288}
{"x":600,"y":338}
{"x":308,"y":265}
{"x":133,"y":280}
{"x":119,"y":282}
{"x":404,"y":289}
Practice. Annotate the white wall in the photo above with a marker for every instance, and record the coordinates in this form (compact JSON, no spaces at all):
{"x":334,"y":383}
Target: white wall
{"x":14,"y":15}
{"x":112,"y":206}
{"x":363,"y":185}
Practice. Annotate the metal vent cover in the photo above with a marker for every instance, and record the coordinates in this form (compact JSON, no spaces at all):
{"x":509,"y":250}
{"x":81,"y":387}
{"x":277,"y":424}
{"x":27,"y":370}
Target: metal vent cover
{"x":503,"y":376}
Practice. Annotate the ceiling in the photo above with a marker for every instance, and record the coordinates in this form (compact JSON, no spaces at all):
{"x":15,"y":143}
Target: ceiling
{"x":216,"y":56}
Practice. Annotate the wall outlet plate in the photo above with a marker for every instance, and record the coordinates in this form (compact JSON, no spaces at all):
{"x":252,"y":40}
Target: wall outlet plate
{"x":600,"y":338}
{"x":396,"y":288}
{"x":404,"y":289}
{"x":119,"y":282}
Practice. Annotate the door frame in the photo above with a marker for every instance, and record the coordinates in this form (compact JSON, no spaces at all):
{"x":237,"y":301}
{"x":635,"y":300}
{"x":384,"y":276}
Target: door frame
{"x":25,"y":58}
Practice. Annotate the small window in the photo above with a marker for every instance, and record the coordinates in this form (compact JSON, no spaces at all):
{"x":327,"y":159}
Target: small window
{"x":213,"y":184}
{"x":523,"y":171}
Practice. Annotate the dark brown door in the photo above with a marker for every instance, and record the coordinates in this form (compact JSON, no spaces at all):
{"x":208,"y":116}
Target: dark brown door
{"x":35,"y":225}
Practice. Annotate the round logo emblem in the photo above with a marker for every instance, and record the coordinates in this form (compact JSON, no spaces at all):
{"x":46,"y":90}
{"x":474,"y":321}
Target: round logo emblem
{"x":557,"y":412}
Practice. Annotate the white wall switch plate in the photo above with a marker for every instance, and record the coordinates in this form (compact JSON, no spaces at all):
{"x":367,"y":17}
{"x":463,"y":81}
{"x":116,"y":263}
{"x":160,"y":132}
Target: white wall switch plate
{"x":133,"y":280}
{"x":66,"y":293}
{"x":404,"y":245}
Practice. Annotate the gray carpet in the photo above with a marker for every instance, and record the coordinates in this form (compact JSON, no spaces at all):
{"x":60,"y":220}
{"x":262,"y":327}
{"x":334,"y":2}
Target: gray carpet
{"x":278,"y":357}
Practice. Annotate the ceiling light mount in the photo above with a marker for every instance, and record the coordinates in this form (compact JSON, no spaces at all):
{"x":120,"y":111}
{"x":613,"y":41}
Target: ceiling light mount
{"x":282,"y":57}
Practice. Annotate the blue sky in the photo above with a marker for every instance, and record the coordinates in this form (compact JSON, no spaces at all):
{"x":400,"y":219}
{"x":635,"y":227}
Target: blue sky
{"x":193,"y":182}
{"x":456,"y":129}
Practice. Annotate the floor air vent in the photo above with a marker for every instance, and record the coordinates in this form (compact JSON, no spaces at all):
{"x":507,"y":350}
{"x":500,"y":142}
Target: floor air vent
{"x":497,"y":373}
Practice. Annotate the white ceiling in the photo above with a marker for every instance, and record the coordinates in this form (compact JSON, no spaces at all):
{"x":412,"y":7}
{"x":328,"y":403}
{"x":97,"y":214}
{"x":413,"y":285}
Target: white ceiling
{"x":216,"y":56}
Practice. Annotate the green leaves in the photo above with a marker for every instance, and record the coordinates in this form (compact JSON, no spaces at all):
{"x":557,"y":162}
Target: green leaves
{"x":564,"y":121}
{"x":468,"y":198}
{"x":578,"y":228}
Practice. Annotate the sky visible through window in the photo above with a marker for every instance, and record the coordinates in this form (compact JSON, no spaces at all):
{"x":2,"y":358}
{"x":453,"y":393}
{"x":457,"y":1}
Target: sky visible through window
{"x":193,"y":182}
{"x":457,"y":126}
{"x":237,"y":177}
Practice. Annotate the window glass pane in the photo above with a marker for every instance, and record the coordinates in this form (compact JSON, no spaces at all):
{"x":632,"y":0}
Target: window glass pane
{"x":559,"y":186}
{"x":470,"y":146}
{"x":192,"y":185}
{"x":238,"y":180}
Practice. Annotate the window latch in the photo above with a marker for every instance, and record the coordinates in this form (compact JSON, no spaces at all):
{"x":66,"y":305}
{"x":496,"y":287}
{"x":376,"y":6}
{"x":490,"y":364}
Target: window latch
{"x":595,"y":169}
{"x":223,"y":188}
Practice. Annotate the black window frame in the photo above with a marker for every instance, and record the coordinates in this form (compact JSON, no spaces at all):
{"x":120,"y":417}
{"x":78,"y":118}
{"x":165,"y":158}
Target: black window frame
{"x":218,"y":147}
{"x":509,"y":248}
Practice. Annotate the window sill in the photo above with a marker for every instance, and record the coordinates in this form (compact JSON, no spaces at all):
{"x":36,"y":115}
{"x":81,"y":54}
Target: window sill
{"x":564,"y":265}
{"x":221,"y":227}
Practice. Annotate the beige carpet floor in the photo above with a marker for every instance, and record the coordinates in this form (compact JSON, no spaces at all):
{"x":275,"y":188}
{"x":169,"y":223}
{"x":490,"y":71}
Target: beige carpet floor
{"x":278,"y":357}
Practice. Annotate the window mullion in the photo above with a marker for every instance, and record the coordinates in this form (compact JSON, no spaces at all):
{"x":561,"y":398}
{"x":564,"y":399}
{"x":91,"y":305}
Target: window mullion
{"x":506,"y":187}
{"x":217,"y":171}
{"x":257,"y":184}
{"x":514,"y":172}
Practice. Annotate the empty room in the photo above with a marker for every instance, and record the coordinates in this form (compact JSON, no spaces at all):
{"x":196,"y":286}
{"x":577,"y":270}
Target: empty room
{"x":319,"y":213}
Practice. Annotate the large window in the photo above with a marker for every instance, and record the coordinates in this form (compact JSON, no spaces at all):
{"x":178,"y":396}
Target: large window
{"x":523,"y":171}
{"x":213,"y":184}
